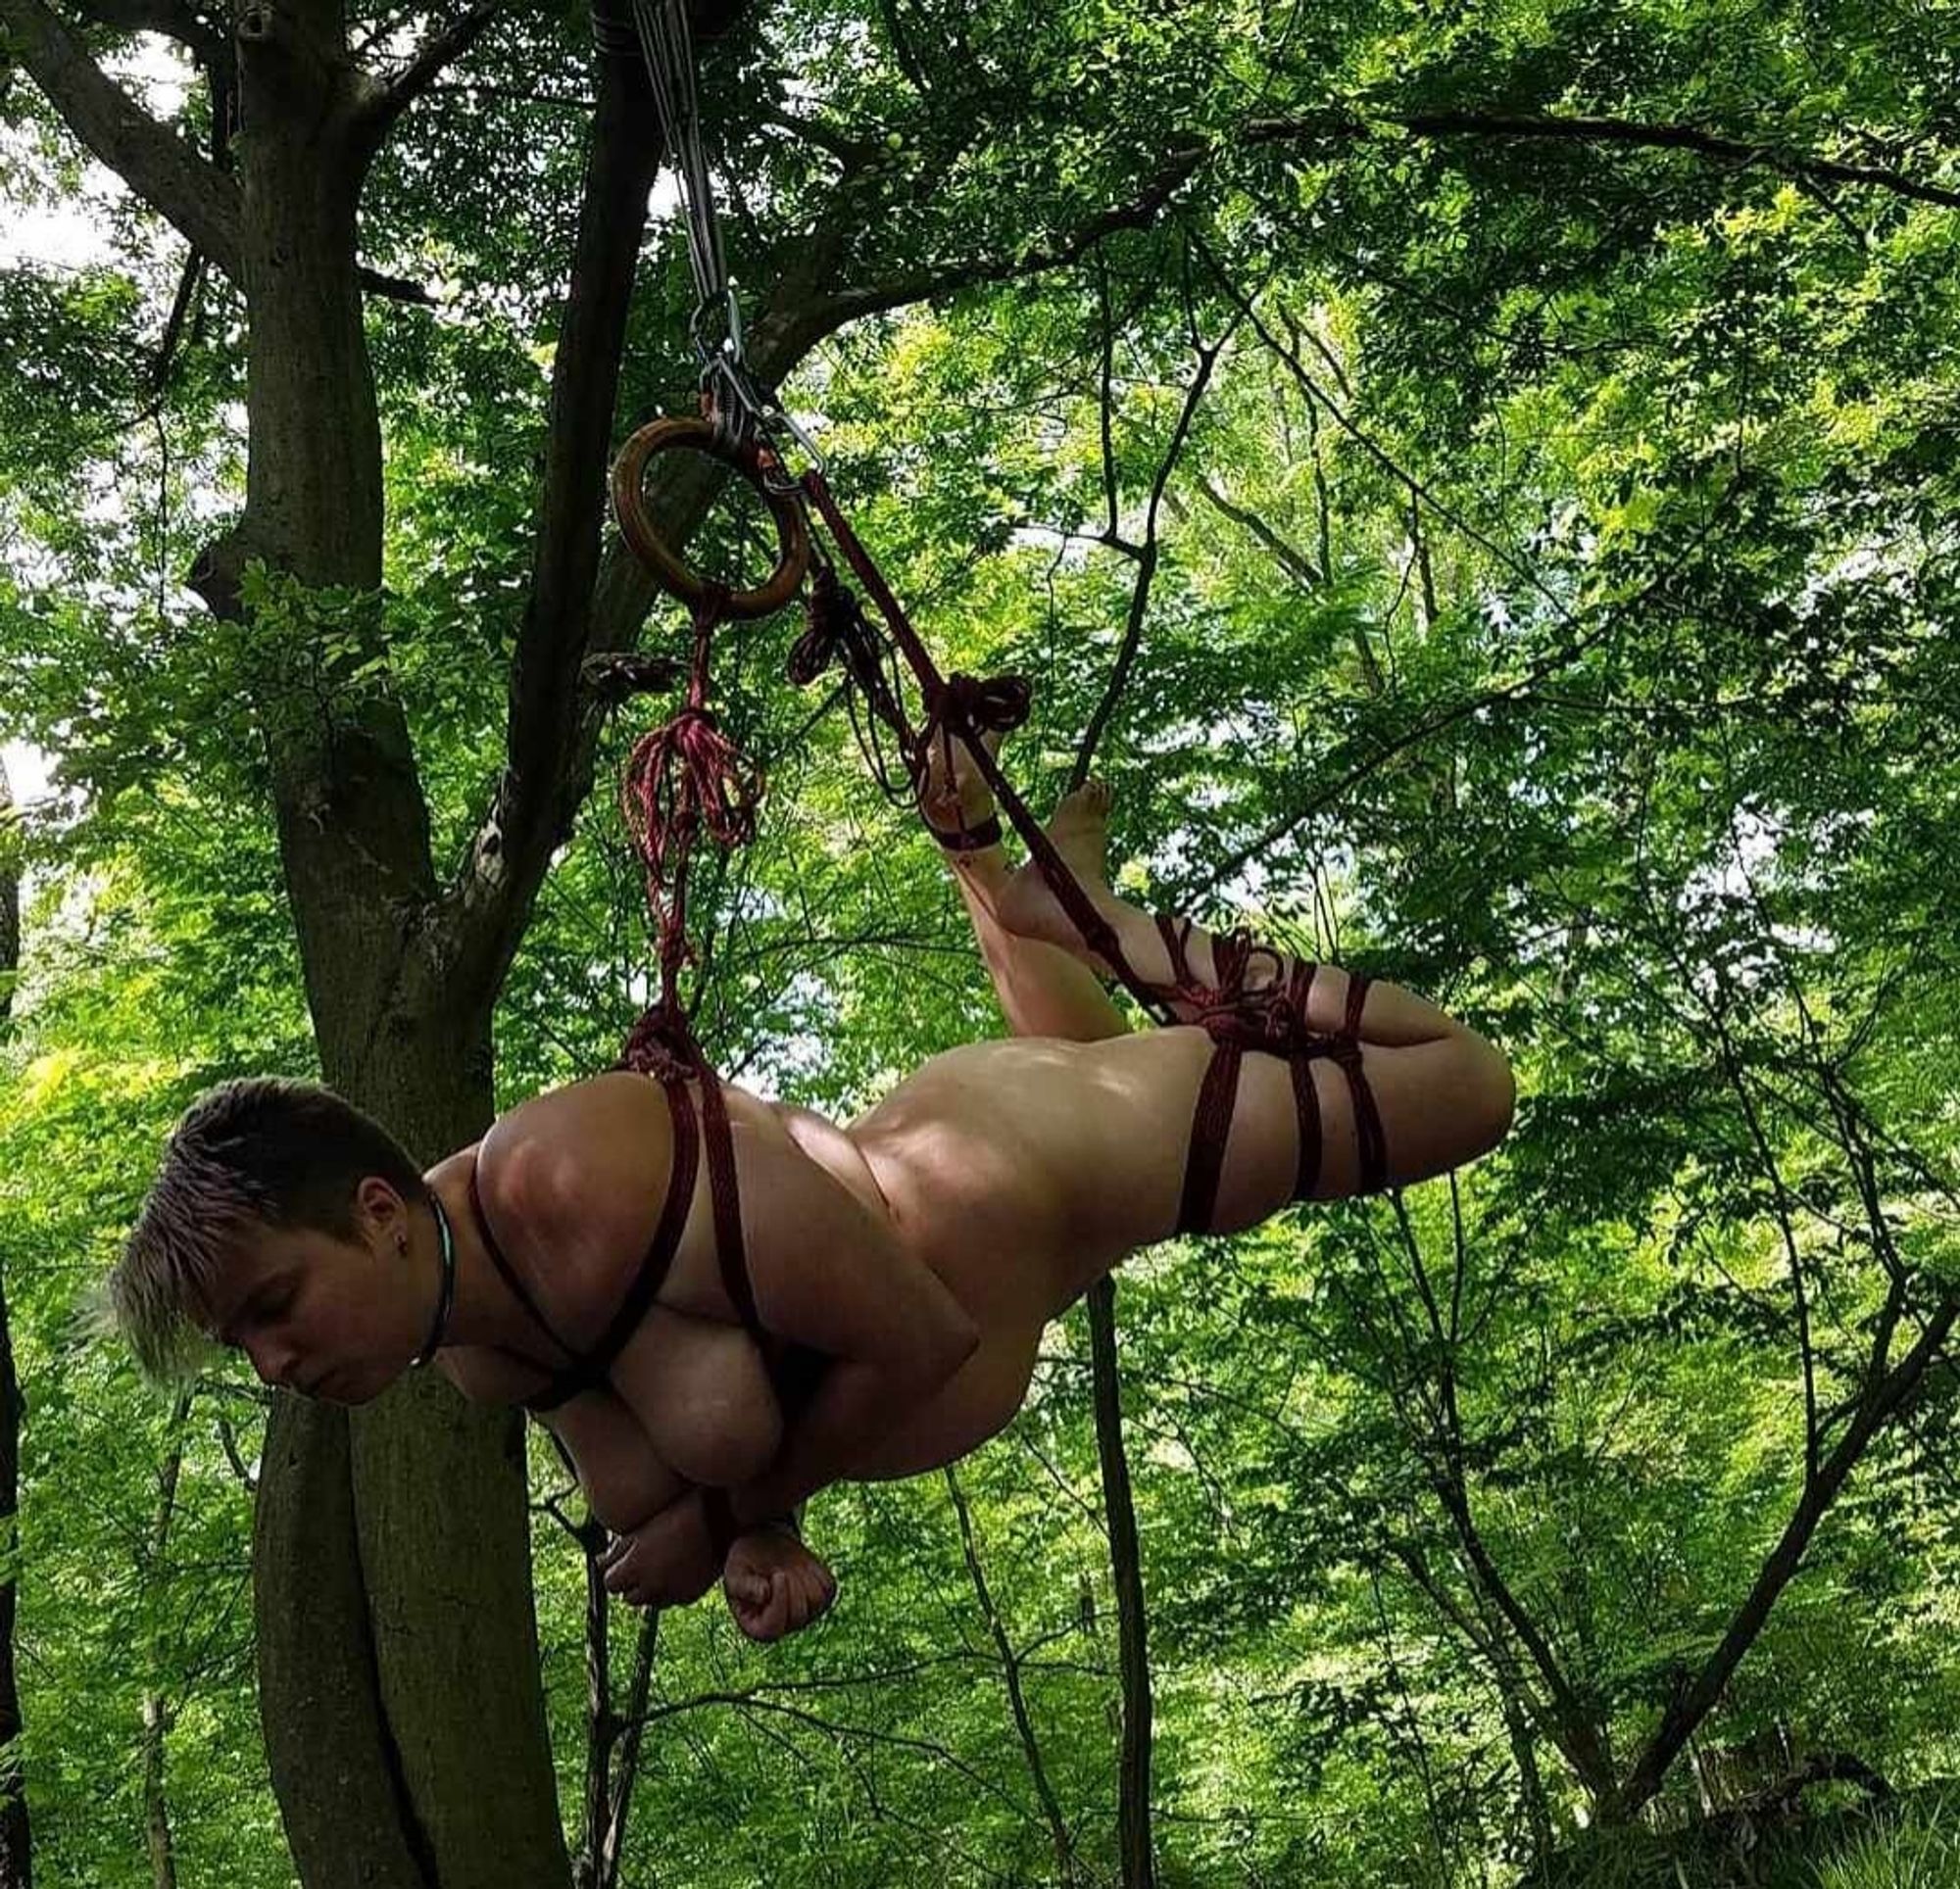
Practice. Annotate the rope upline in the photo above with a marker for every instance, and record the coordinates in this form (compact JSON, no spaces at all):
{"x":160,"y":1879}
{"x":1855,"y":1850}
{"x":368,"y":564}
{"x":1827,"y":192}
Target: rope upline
{"x":963,"y":709}
{"x":686,"y":773}
{"x":687,"y":776}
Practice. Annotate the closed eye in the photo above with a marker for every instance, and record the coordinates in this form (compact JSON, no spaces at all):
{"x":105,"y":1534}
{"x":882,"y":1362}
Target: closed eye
{"x":261,"y":1312}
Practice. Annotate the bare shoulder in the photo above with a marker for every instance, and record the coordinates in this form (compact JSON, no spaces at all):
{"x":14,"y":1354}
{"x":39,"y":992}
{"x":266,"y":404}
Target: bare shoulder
{"x":573,"y":1183}
{"x":583,"y":1162}
{"x":569,"y":1186}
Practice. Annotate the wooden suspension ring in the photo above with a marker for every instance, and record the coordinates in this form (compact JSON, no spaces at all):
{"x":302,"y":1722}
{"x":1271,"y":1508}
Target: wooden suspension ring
{"x":629,"y":506}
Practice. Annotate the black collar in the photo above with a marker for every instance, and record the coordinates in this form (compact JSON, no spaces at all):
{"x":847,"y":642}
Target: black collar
{"x":445,"y":1302}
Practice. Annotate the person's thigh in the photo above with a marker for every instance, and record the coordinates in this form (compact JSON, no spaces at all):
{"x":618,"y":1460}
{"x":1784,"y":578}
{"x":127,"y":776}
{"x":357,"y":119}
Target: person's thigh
{"x":1034,"y":1166}
{"x":1025,"y":1169}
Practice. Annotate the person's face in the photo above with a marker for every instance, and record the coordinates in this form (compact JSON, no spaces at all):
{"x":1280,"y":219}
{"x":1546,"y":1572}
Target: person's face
{"x":323,"y":1314}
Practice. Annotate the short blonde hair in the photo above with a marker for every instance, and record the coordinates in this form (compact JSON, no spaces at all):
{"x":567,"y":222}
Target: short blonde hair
{"x":264,"y":1151}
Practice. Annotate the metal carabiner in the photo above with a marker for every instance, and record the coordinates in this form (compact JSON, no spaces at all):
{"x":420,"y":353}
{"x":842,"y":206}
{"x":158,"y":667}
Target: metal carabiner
{"x":732,"y":346}
{"x":779,"y":478}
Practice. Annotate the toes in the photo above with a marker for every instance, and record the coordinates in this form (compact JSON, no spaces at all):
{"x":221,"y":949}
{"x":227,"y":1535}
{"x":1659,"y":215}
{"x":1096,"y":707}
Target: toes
{"x":1089,"y":804}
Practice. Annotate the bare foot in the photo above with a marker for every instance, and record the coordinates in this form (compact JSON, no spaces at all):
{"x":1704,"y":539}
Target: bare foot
{"x":1080,"y":830}
{"x":954,"y":797}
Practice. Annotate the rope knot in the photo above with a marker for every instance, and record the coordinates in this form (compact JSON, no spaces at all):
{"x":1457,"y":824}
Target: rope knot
{"x":1269,"y":1017}
{"x":661,"y":1045}
{"x":983,"y":704}
{"x":1252,"y":1020}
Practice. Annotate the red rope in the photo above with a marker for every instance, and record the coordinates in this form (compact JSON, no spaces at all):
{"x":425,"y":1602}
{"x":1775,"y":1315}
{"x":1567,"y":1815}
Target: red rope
{"x":686,"y":776}
{"x":683,"y":777}
{"x":964,"y":707}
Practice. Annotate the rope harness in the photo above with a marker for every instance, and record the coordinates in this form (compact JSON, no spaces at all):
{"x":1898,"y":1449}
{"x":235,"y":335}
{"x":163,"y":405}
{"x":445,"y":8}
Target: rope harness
{"x":686,"y":778}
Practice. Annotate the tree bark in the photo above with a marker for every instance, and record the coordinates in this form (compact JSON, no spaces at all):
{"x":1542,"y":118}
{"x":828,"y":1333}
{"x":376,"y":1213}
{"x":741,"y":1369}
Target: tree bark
{"x":397,"y":1643}
{"x":1531,"y":1785}
{"x":601,"y":1728}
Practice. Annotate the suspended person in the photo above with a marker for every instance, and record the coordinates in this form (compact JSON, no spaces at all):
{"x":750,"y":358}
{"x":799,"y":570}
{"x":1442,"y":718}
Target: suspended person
{"x":714,"y":1342}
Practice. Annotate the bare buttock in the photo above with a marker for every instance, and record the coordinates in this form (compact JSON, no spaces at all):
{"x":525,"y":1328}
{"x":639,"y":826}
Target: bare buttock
{"x":1029,"y":1166}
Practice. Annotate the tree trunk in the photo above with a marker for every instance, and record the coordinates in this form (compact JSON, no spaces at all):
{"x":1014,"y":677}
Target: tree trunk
{"x":16,"y":1850}
{"x":1133,"y":1808}
{"x":156,"y":1806}
{"x":16,"y":1847}
{"x":10,"y":899}
{"x":1531,"y":1785}
{"x":626,"y":1764}
{"x":601,"y":1729}
{"x":156,"y":1707}
{"x":397,"y":1643}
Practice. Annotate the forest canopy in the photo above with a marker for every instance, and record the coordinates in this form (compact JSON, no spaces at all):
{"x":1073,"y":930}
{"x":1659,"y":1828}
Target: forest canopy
{"x":1479,"y":482}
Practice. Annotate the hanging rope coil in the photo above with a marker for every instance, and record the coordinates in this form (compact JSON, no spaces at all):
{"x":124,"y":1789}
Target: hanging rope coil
{"x":837,"y":633}
{"x":683,"y":778}
{"x":686,"y":772}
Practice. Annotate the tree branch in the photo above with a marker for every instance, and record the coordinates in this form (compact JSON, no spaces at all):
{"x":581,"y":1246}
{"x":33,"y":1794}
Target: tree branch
{"x":1348,"y":129}
{"x":385,"y":106}
{"x":1134,"y":1843}
{"x":10,"y":901}
{"x":851,"y":153}
{"x":945,"y":277}
{"x":1290,"y":558}
{"x":1011,"y":1668}
{"x":1572,"y":1725}
{"x":394,"y":288}
{"x":171,"y":18}
{"x":1603,"y":131}
{"x":542,"y":781}
{"x":1885,"y":1392}
{"x":158,"y":165}
{"x":1148,"y":557}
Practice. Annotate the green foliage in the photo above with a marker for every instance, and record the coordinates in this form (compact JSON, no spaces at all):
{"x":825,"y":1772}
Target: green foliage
{"x":1916,"y":1849}
{"x":1555,"y":614}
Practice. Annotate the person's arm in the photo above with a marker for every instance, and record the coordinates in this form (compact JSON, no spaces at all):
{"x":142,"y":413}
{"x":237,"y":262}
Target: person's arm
{"x":830,"y":1274}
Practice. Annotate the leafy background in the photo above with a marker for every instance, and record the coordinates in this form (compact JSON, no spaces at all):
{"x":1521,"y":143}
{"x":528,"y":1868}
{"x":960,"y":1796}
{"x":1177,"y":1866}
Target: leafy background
{"x":1554,"y":614}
